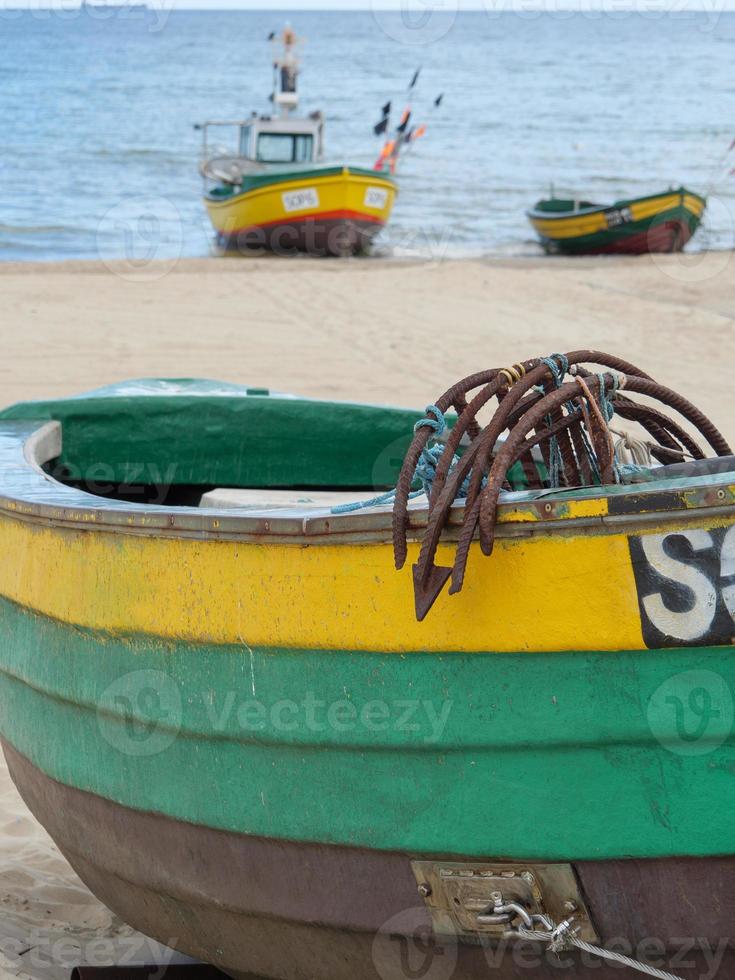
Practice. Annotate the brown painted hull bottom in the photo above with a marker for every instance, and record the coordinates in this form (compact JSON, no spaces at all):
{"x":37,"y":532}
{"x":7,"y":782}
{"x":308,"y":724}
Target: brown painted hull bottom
{"x":666,"y":237}
{"x":258,"y":907}
{"x":337,"y":237}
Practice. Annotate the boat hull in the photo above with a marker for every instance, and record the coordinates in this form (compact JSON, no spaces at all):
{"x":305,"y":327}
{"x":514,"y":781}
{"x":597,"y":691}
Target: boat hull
{"x":336,"y":211}
{"x":154,"y":722}
{"x":282,"y":909}
{"x":661,"y":223}
{"x":236,"y":730}
{"x":268,"y":843}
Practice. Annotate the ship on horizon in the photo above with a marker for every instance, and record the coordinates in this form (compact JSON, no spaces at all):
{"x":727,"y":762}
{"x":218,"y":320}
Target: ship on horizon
{"x":117,"y":5}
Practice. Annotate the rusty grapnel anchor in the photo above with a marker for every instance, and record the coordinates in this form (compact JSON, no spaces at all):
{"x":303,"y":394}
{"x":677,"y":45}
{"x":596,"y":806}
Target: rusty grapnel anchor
{"x":559,"y":406}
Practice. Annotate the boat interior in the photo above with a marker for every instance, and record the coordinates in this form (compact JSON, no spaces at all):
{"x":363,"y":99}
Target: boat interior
{"x":562,"y":205}
{"x":198,"y":448}
{"x":559,"y":207}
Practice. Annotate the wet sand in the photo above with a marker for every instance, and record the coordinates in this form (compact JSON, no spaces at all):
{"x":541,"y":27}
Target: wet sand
{"x":377,"y":330}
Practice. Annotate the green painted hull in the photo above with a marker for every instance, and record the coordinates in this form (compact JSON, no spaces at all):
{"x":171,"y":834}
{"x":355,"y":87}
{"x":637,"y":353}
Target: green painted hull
{"x":657,"y":223}
{"x":283,"y":174}
{"x":562,"y":745}
{"x":668,"y":232}
{"x":214,"y":434}
{"x":202,"y":434}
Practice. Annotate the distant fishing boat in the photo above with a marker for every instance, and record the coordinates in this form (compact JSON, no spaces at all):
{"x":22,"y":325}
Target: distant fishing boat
{"x":117,"y":6}
{"x":657,"y":223}
{"x":272,"y":189}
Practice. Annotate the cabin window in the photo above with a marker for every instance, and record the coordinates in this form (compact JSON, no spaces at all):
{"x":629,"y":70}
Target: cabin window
{"x":285,"y":148}
{"x":245,"y":141}
{"x":303,"y":146}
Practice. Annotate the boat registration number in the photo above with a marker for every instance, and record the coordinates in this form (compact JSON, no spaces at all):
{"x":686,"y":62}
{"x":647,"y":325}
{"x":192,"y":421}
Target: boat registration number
{"x":300,"y":200}
{"x":686,"y":586}
{"x":376,"y":197}
{"x":620,"y":216}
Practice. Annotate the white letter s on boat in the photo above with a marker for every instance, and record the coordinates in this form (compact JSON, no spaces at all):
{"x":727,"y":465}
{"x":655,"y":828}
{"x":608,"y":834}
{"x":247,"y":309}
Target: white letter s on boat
{"x":694,"y":622}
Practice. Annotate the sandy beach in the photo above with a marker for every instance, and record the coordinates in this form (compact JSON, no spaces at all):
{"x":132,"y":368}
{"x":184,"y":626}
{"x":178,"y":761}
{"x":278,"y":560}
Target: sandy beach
{"x":381,"y":331}
{"x":373,"y":331}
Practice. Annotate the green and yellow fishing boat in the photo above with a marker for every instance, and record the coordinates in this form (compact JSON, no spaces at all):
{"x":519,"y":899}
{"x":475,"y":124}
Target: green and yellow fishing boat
{"x":269,"y":188}
{"x":217,"y":696}
{"x":657,"y":223}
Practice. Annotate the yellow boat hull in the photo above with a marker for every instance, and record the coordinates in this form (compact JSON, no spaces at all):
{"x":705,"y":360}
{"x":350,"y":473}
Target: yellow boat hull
{"x":250,"y":688}
{"x":326,"y":211}
{"x":658,"y":223}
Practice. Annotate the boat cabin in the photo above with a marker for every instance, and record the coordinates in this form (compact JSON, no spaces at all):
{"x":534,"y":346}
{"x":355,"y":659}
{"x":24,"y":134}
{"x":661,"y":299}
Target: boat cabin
{"x":279,"y":139}
{"x":258,"y":143}
{"x":267,"y":140}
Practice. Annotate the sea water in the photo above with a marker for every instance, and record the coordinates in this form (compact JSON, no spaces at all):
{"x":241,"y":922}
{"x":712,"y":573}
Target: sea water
{"x":100,"y":156}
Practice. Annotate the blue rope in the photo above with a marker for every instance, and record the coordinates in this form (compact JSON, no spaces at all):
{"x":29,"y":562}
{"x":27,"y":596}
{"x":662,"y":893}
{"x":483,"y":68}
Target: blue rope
{"x":429,"y":459}
{"x":427,"y":464}
{"x":632,"y":473}
{"x":606,"y":405}
{"x":384,"y":498}
{"x":438,"y":423}
{"x":425,"y":468}
{"x":558,"y":364}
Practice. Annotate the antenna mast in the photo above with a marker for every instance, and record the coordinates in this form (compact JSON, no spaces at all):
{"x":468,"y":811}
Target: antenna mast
{"x":286,"y":68}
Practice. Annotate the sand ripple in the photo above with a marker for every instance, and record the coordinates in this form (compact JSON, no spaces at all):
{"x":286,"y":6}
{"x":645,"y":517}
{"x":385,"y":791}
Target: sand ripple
{"x":49,"y":921}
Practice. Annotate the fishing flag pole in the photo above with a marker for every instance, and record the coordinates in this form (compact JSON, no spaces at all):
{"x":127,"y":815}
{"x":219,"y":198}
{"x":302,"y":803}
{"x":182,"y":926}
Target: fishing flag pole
{"x":405,"y":134}
{"x":419,"y":131}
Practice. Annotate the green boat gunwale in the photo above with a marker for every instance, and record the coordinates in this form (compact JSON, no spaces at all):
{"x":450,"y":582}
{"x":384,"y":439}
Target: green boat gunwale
{"x":28,"y":492}
{"x":538,"y":213}
{"x":252,"y":183}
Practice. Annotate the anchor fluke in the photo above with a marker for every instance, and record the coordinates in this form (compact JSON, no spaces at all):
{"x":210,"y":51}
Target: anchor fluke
{"x":427,"y":585}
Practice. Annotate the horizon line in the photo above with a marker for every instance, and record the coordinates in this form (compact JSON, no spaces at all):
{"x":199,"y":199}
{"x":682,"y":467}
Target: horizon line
{"x":389,"y":6}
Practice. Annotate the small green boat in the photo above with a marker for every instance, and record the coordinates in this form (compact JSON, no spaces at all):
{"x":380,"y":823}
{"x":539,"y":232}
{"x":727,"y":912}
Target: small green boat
{"x":658,"y":223}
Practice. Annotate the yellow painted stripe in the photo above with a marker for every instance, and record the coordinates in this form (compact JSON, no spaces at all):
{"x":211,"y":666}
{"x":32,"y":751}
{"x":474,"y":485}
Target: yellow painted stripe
{"x":562,"y":511}
{"x":570,"y":227}
{"x":337,"y":192}
{"x":649,"y":209}
{"x":695,"y":205}
{"x":577,"y":225}
{"x":315,"y":179}
{"x":555,"y":592}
